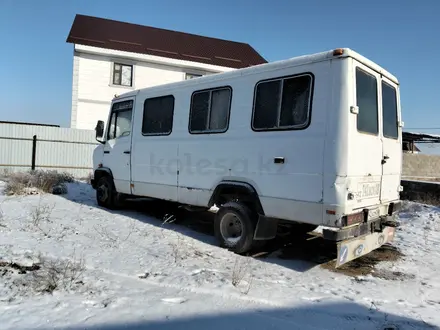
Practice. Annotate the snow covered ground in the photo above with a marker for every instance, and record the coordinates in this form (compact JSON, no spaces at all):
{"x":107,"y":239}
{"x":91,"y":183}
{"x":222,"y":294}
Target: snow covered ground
{"x":130,"y":271}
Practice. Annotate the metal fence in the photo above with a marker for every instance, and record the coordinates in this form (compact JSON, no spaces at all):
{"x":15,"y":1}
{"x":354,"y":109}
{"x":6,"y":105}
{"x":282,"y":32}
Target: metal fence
{"x":24,"y":147}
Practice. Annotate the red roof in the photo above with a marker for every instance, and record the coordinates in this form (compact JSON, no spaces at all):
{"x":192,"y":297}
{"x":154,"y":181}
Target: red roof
{"x":110,"y":34}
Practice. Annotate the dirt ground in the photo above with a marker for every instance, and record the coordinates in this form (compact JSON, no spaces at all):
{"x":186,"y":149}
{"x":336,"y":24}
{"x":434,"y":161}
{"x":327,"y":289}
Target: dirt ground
{"x":366,"y":265}
{"x":323,"y":254}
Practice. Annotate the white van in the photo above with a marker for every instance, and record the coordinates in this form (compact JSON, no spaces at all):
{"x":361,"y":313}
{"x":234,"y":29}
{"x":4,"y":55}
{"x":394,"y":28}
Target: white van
{"x":305,"y":142}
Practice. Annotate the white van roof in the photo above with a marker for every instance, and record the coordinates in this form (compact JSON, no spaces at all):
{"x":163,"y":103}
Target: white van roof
{"x":295,"y":61}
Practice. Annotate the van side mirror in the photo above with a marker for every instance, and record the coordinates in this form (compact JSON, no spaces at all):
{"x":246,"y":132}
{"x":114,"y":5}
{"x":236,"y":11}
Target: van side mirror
{"x":99,"y":130}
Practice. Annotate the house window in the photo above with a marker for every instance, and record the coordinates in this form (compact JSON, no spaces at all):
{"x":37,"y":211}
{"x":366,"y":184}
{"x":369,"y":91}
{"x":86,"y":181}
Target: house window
{"x":192,"y":76}
{"x":210,"y":110}
{"x":120,"y":120}
{"x":366,"y":97}
{"x":282,"y":103}
{"x":122,"y":74}
{"x":158,"y":115}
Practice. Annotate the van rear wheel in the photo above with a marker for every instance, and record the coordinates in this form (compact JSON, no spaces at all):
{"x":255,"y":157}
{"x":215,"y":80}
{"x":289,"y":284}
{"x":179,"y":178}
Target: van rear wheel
{"x":234,"y":227}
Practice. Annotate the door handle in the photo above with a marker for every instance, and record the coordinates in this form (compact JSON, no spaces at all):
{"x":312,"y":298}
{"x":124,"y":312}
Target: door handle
{"x":386,"y":157}
{"x":278,"y":160}
{"x":106,"y":151}
{"x":384,"y":160}
{"x":126,"y":151}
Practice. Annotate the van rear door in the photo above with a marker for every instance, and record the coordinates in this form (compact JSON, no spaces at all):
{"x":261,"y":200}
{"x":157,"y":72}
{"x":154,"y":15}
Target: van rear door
{"x":364,"y":168}
{"x":391,"y":141}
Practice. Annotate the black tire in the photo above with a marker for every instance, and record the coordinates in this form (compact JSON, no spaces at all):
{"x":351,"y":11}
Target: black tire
{"x":247,"y":219}
{"x":106,"y":194}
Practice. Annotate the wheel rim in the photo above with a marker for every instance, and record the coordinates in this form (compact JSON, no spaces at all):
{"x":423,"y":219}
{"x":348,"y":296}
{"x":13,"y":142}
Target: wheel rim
{"x":102,"y":192}
{"x":231,"y":229}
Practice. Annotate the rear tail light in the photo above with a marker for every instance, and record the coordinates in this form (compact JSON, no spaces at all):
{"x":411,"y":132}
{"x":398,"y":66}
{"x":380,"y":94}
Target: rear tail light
{"x":352,"y":219}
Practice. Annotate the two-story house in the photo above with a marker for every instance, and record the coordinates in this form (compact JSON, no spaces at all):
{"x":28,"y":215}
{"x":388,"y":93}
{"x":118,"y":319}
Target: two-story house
{"x":111,"y":58}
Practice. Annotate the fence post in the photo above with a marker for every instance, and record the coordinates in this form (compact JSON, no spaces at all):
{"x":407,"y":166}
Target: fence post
{"x":34,"y":151}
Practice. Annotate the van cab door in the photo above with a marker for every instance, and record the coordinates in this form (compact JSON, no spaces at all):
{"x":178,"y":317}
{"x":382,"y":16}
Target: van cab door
{"x":364,"y":168}
{"x":391,"y":141}
{"x":117,"y":148}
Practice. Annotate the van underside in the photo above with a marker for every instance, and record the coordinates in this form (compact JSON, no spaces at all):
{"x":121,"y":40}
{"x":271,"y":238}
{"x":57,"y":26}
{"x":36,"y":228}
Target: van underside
{"x":358,"y":234}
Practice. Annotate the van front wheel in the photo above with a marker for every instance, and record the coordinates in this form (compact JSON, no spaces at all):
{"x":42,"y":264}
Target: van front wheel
{"x":234,"y":227}
{"x":106,"y":194}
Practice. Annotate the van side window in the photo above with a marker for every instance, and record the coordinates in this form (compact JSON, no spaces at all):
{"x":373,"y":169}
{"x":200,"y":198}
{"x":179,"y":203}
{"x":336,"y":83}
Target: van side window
{"x":158,"y":115}
{"x":389,"y":111}
{"x":366,"y":96}
{"x":120,"y":120}
{"x":210,"y":110}
{"x":283,"y":103}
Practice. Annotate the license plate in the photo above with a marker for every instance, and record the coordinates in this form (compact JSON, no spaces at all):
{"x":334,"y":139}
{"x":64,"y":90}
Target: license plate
{"x":354,"y":248}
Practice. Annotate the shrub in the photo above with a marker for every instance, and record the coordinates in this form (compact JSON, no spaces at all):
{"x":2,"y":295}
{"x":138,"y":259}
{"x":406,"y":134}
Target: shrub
{"x":46,"y":181}
{"x":4,"y":173}
{"x":56,"y":274}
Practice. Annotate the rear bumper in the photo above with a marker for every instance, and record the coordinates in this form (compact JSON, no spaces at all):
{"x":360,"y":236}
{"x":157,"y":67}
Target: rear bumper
{"x":359,"y":230}
{"x":366,"y":227}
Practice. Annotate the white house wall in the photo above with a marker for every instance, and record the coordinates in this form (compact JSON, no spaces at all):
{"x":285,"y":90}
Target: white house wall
{"x":73,"y":115}
{"x":88,"y":113}
{"x":92,"y":89}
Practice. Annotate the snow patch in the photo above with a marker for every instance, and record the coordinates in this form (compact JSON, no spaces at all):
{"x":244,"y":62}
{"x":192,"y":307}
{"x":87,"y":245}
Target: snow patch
{"x":133,"y":261}
{"x":176,"y":300}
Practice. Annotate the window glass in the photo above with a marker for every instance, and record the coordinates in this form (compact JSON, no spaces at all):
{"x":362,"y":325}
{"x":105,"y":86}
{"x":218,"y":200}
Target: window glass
{"x":112,"y":126}
{"x":283,"y":103}
{"x":126,"y":76}
{"x":158,"y":115}
{"x":122,"y":74}
{"x":218,"y":119}
{"x":120,"y":120}
{"x":266,"y":105}
{"x":123,"y":123}
{"x":389,"y":110}
{"x":210,"y":111}
{"x":199,"y":111}
{"x":366,"y":96}
{"x":295,"y":102}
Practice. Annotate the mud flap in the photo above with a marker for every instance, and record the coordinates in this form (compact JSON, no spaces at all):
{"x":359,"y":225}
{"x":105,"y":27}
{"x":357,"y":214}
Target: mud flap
{"x":266,"y":228}
{"x":354,"y":248}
